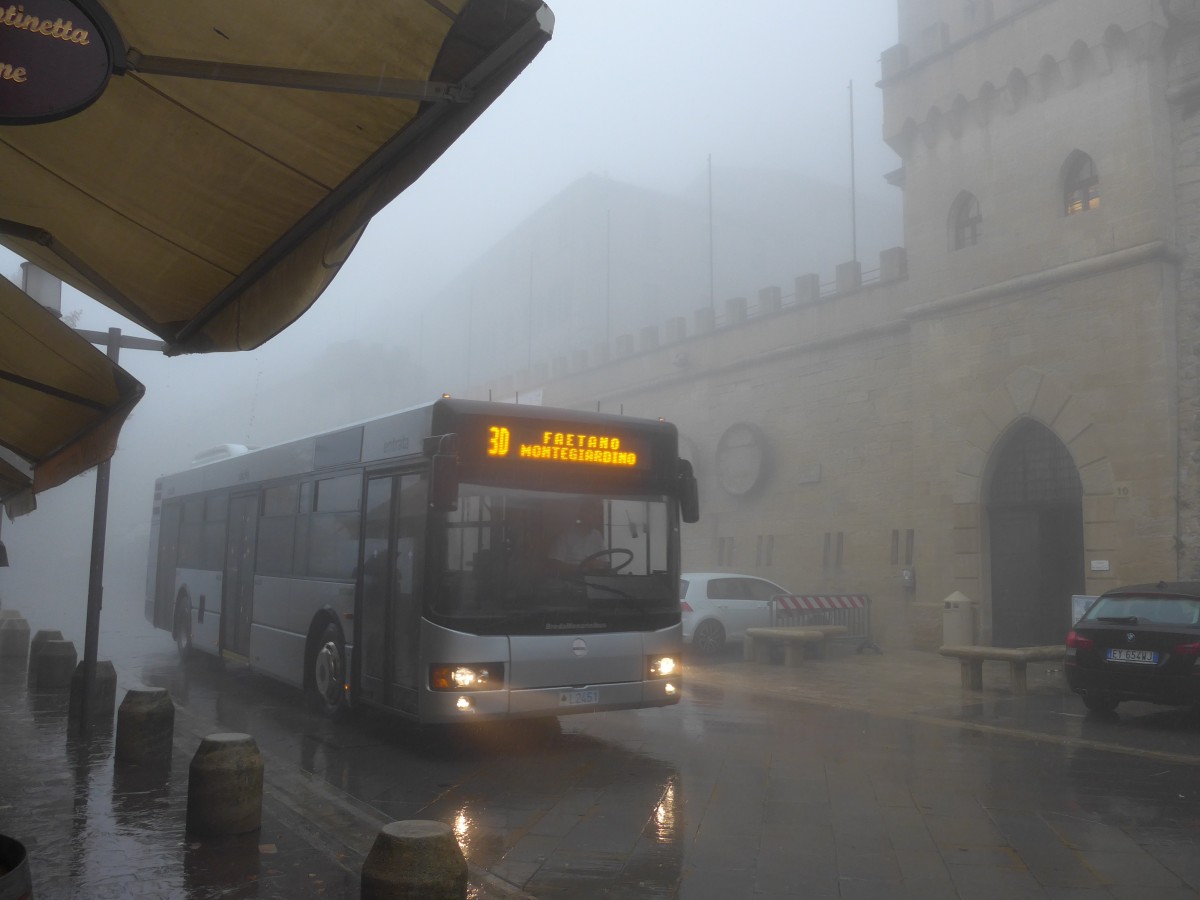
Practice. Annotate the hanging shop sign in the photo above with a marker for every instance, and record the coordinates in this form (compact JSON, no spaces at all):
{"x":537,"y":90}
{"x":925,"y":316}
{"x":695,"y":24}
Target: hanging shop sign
{"x":55,"y":58}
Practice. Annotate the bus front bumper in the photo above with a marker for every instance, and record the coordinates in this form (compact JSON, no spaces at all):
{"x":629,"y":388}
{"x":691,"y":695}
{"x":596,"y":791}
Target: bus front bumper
{"x":450,"y":706}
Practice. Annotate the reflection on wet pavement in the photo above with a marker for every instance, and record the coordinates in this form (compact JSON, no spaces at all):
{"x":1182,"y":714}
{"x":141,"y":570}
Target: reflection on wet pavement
{"x":94,"y":828}
{"x":872,"y":776}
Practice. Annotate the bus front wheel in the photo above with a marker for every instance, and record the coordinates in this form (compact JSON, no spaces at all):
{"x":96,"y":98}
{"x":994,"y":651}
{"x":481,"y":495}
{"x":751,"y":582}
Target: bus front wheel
{"x":183,"y":630}
{"x":327,"y":672}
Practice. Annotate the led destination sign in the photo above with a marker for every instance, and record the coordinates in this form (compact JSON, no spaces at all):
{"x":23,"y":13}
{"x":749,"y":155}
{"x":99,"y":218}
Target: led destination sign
{"x":530,"y":441}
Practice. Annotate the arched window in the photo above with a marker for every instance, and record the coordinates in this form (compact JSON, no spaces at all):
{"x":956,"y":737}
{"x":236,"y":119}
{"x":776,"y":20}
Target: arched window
{"x":1081,"y":184}
{"x":965,"y":221}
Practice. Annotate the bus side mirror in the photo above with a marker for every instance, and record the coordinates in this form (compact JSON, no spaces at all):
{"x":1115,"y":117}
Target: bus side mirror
{"x":443,"y":475}
{"x":689,"y":493}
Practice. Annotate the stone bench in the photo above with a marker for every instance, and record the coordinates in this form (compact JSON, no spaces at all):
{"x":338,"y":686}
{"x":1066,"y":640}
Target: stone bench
{"x":756,"y":646}
{"x":972,"y":658}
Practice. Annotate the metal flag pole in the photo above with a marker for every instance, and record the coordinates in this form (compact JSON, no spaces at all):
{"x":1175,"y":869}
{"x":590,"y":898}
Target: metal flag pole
{"x":853,"y":190}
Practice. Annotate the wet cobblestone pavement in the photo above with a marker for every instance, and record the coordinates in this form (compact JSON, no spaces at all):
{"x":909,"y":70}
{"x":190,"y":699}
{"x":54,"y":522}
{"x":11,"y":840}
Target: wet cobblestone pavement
{"x":857,"y":776}
{"x":97,"y":829}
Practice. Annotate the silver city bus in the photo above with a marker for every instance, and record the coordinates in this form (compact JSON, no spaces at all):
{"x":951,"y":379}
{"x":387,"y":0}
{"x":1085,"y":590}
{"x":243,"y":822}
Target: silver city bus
{"x":457,"y":560}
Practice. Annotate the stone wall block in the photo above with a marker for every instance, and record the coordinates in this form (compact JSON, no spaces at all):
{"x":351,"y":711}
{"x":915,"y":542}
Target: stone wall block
{"x":972,"y":461}
{"x":893,"y":264}
{"x":1023,"y":388}
{"x":1072,"y":421}
{"x":648,"y":338}
{"x":1098,"y":478}
{"x":770,"y":300}
{"x":1051,"y":399}
{"x":894,"y":60}
{"x":965,"y":488}
{"x":849,"y":276}
{"x":676,"y":329}
{"x":808,"y":288}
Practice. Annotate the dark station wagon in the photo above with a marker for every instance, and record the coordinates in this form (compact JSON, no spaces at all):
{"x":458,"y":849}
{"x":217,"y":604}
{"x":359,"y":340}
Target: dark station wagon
{"x":1140,"y":642}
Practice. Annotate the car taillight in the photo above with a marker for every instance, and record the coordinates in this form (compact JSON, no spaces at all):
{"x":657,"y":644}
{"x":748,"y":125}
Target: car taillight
{"x":684,"y":606}
{"x":1192,"y":649}
{"x":1076,"y":641}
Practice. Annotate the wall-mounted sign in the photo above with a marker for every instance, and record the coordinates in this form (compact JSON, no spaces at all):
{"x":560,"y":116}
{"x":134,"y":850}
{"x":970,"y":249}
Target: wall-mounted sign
{"x":55,"y":58}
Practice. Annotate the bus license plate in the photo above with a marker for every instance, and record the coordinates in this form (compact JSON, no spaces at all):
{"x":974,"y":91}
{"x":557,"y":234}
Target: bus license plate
{"x":1149,"y":657}
{"x":578,"y":698}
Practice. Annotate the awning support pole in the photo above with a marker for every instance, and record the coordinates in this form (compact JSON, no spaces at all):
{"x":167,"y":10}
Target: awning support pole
{"x":91,"y":635}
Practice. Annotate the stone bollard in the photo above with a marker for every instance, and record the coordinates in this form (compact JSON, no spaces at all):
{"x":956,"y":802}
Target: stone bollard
{"x":15,"y":881}
{"x":145,"y":728}
{"x":35,"y":648}
{"x":225,"y":786}
{"x":14,"y":640}
{"x":55,"y":665}
{"x":103,"y":698}
{"x":417,"y":859}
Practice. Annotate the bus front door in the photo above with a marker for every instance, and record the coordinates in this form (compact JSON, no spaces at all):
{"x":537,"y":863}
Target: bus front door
{"x":391,"y":565}
{"x":237,"y":602}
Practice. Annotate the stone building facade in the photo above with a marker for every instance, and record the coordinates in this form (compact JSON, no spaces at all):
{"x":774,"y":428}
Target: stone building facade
{"x":1012,"y":410}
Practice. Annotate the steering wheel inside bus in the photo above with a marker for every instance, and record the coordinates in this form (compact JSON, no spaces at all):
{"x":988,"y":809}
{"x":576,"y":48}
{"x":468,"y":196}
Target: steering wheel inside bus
{"x":610,"y":552}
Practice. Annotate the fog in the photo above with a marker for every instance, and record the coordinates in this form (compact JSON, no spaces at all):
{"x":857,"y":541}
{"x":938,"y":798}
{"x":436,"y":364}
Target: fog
{"x":632,"y":106}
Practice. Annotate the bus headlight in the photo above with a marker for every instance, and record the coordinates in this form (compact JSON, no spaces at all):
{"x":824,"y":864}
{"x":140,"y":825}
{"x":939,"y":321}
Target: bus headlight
{"x":461,"y":677}
{"x":662,"y":666}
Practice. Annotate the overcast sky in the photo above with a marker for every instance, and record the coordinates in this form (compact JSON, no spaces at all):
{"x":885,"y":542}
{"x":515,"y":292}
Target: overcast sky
{"x":642,"y":91}
{"x":638,"y":90}
{"x":645,"y":91}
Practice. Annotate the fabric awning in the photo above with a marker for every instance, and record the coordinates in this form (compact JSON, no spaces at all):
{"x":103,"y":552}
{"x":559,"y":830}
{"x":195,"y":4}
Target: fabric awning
{"x":212,"y":191}
{"x":62,"y":401}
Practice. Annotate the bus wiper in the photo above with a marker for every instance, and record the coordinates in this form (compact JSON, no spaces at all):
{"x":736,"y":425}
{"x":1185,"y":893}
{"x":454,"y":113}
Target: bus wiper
{"x":1124,"y":620}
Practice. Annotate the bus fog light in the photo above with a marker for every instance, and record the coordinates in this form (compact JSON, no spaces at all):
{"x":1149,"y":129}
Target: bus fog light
{"x":463,"y":704}
{"x":670,"y":688}
{"x":662,"y":666}
{"x":474,"y":677}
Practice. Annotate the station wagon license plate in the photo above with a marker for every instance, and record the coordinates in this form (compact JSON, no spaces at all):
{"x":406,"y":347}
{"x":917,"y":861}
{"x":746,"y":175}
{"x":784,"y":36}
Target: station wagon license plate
{"x":1148,"y":657}
{"x":578,"y":698}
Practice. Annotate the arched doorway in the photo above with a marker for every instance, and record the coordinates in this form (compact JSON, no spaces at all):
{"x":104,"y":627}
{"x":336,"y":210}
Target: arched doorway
{"x":1035,"y":515}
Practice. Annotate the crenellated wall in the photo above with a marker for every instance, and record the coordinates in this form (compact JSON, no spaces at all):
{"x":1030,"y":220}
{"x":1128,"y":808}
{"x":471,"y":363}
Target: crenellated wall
{"x":845,"y":427}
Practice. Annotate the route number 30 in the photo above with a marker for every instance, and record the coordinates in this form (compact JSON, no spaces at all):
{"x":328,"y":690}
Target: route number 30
{"x":499,"y":441}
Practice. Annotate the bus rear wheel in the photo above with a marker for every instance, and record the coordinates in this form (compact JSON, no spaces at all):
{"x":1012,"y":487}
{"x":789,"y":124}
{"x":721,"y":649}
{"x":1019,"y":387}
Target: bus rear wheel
{"x":327,"y":673}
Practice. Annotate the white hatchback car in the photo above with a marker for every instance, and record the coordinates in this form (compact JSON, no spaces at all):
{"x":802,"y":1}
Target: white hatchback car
{"x":720,"y":606}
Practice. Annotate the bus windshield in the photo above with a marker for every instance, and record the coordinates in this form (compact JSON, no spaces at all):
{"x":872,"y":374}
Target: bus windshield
{"x":536,"y":562}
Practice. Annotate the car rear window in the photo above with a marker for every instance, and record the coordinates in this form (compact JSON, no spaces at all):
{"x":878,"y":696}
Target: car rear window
{"x":1156,"y":610}
{"x":683,"y":586}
